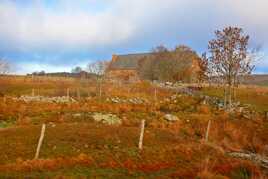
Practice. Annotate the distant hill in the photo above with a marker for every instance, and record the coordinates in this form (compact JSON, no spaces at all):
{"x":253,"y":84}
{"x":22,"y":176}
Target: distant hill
{"x":255,"y":79}
{"x":82,"y":74}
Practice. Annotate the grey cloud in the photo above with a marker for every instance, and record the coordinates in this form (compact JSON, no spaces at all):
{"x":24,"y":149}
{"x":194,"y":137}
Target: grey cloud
{"x":37,"y":27}
{"x":126,"y":24}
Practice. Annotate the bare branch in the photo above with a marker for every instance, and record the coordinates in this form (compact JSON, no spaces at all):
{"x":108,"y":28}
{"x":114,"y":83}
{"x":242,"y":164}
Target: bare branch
{"x":98,"y":68}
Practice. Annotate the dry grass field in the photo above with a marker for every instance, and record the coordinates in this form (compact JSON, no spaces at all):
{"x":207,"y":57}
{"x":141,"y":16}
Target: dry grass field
{"x":77,"y":146}
{"x":257,"y":96}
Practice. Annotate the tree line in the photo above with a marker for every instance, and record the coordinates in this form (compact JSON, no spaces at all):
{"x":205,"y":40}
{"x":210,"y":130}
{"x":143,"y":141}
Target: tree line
{"x":170,"y":65}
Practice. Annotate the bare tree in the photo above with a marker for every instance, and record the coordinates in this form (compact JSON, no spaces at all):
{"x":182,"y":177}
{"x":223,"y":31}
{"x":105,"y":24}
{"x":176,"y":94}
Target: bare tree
{"x":98,"y":68}
{"x":4,"y":67}
{"x":229,"y":57}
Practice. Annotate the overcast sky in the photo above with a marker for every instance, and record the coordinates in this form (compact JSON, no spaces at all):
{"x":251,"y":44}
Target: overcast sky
{"x":56,"y":35}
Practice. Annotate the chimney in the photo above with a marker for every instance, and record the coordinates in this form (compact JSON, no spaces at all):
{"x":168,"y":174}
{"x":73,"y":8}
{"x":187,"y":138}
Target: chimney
{"x":114,"y":57}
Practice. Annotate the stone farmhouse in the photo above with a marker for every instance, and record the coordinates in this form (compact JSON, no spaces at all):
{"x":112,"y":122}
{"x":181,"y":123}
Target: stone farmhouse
{"x":126,"y":67}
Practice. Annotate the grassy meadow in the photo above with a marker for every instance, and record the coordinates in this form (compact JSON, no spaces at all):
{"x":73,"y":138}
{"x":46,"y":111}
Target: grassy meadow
{"x":76,"y":146}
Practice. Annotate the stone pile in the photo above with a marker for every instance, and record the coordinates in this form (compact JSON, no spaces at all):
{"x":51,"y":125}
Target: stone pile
{"x":171,"y":118}
{"x":58,"y":99}
{"x":236,"y":106}
{"x":169,"y":85}
{"x":126,"y":101}
{"x":177,"y":87}
{"x":212,"y":101}
{"x":109,"y":119}
{"x":244,"y":109}
{"x":172,"y":99}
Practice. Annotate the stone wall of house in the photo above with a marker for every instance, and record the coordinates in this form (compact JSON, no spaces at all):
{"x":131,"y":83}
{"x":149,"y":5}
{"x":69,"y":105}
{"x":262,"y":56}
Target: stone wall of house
{"x":123,"y":75}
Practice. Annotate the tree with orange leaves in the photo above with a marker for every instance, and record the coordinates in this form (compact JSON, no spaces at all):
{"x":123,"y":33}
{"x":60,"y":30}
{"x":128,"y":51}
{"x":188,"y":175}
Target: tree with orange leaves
{"x":229,"y":57}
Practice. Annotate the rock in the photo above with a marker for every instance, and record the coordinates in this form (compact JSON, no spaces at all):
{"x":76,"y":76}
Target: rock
{"x":77,"y":115}
{"x":168,"y":83}
{"x":240,"y":109}
{"x":52,"y":124}
{"x":246,"y":116}
{"x":114,"y":100}
{"x":171,"y":118}
{"x":109,"y":119}
{"x":220,"y":105}
{"x":130,"y":100}
{"x":256,"y":158}
{"x":58,"y":99}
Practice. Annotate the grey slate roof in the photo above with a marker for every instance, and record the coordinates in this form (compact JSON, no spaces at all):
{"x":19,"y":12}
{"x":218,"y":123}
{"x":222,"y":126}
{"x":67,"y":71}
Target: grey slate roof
{"x":128,"y":62}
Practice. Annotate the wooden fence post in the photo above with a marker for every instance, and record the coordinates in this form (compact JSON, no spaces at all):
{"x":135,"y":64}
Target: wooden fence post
{"x":141,"y":134}
{"x":78,"y":94}
{"x":33,"y":92}
{"x":155,"y":94}
{"x":266,"y":115}
{"x":100,"y":89}
{"x":208,"y":128}
{"x":40,"y":141}
{"x":68,"y":93}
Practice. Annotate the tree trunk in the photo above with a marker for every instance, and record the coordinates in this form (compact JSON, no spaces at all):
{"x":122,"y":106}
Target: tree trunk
{"x":225,"y":97}
{"x":68,"y":93}
{"x":100,"y":88}
{"x":155,"y":95}
{"x":229,"y":97}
